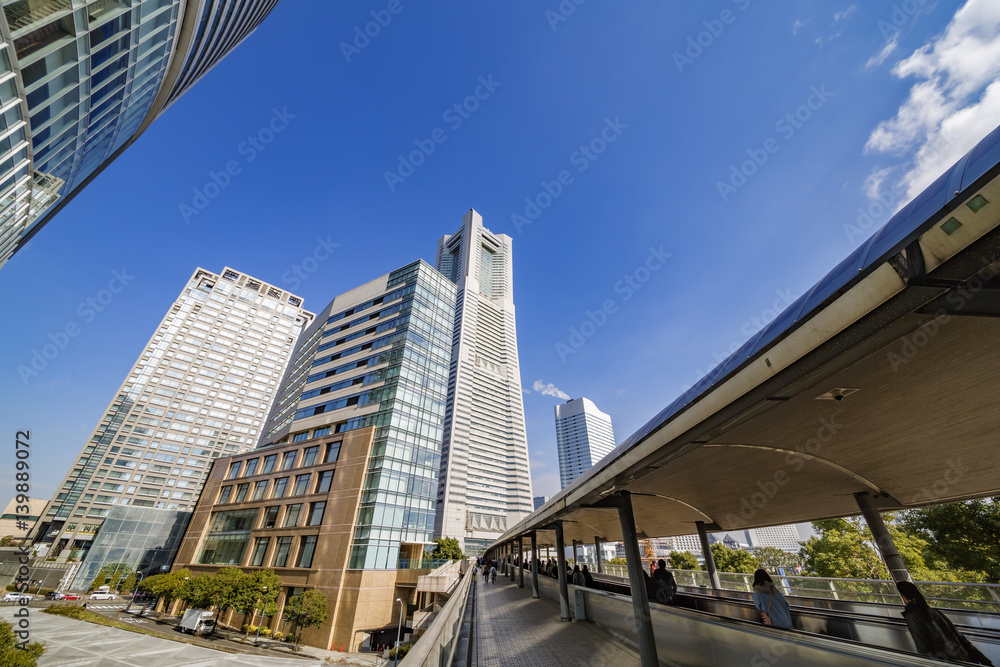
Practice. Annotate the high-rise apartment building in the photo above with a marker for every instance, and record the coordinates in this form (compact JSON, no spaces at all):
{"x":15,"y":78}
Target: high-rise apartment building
{"x":340,"y":494}
{"x":485,"y":480}
{"x":80,"y":80}
{"x":200,"y":390}
{"x":583,"y":437}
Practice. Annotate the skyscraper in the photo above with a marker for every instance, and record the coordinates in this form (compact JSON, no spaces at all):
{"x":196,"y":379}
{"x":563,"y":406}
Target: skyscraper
{"x":200,"y":390}
{"x":583,"y":437}
{"x":340,"y":494}
{"x":80,"y":80}
{"x":485,"y":481}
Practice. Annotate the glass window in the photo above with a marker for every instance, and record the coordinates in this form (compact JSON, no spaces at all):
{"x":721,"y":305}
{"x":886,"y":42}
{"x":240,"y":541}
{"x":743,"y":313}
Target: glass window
{"x":224,"y":549}
{"x":325,"y":478}
{"x":309,"y":456}
{"x":292,"y":515}
{"x":320,"y":432}
{"x":241,"y":492}
{"x":299,"y":437}
{"x":234,"y":470}
{"x":259,"y":550}
{"x":307,"y":550}
{"x":224,"y":495}
{"x":269,"y":463}
{"x":270,"y":517}
{"x":259,"y":489}
{"x":288,"y":461}
{"x":279,"y":487}
{"x":281,"y":553}
{"x":301,"y":485}
{"x":316,"y":513}
{"x":251,"y":467}
{"x":332,"y":452}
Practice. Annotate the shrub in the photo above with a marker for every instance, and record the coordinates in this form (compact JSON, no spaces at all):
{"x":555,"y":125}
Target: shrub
{"x":290,"y":637}
{"x":278,"y":634}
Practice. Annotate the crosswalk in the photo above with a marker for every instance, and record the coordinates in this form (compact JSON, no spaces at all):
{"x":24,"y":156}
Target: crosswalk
{"x":134,"y":620}
{"x":105,"y":606}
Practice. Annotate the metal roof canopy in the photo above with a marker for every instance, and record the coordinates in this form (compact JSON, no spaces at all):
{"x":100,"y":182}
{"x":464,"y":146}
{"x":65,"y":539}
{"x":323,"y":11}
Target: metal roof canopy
{"x":909,"y":324}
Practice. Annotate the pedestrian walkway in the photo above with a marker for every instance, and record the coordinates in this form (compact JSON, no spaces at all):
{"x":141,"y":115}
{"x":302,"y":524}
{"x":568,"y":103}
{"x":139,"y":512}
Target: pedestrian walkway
{"x":512,"y":630}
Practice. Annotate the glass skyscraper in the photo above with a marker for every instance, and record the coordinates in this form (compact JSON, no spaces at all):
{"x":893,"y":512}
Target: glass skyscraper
{"x":378,"y":356}
{"x":81,"y":79}
{"x":200,"y":390}
{"x":485,"y":480}
{"x":584,"y":436}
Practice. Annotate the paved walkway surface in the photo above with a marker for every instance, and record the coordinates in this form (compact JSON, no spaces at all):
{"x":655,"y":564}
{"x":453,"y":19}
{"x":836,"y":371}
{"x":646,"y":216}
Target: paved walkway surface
{"x":72,"y":643}
{"x":512,"y":630}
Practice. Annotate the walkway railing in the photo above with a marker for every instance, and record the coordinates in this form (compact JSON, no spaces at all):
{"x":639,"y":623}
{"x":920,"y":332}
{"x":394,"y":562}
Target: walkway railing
{"x":437,"y":645}
{"x":974,"y":597}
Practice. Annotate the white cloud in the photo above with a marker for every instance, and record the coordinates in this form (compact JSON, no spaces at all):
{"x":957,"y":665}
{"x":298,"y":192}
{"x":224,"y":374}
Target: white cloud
{"x":873,"y":184}
{"x":883,"y":55}
{"x":549,"y":390}
{"x":841,"y":15}
{"x":953,"y":104}
{"x":798,"y":24}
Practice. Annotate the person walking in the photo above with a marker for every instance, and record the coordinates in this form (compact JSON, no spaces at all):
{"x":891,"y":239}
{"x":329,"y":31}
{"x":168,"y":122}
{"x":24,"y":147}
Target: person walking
{"x":769,"y":601}
{"x":577,"y":578}
{"x":588,"y":578}
{"x":665,"y":586}
{"x":493,"y":574}
{"x":933,"y":633}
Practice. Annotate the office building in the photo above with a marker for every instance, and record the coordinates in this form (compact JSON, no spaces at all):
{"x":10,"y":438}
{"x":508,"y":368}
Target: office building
{"x":80,"y":80}
{"x":340,"y":494}
{"x":485,"y":481}
{"x":583,"y":437}
{"x":12,"y":521}
{"x":200,"y":390}
{"x":538,"y":501}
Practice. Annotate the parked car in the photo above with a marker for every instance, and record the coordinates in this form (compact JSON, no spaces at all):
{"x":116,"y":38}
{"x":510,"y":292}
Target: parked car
{"x":55,"y":595}
{"x":71,"y":596}
{"x":97,"y":595}
{"x":16,"y":597}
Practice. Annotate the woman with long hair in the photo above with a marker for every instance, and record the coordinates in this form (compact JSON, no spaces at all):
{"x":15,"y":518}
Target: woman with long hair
{"x":932,"y":632}
{"x":769,"y":601}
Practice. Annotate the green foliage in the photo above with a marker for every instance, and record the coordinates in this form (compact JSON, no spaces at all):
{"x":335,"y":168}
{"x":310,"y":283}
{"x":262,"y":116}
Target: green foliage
{"x":403,"y":650}
{"x":200,"y":592}
{"x":7,"y":541}
{"x":733,"y":560}
{"x":308,"y":610}
{"x":683,"y":560}
{"x":771,"y":558}
{"x":616,"y":561}
{"x":100,"y":580}
{"x":447,"y":547}
{"x":250,"y":595}
{"x":11,"y":656}
{"x":962,"y":536}
{"x":169,"y":587}
{"x":128,"y":583}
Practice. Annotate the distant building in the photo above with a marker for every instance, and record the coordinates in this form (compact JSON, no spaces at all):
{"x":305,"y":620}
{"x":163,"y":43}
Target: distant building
{"x":583,"y":437}
{"x":10,"y":518}
{"x":539,"y":501}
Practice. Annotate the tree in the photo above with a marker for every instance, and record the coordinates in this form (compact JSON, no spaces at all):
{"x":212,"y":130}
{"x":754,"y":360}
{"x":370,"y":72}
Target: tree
{"x":6,"y":541}
{"x":100,"y":580}
{"x":447,"y":547}
{"x":844,"y":548}
{"x":616,"y":561}
{"x":307,"y":610}
{"x":965,"y":536}
{"x":11,"y":656}
{"x":250,"y":595}
{"x":128,"y":584}
{"x":733,"y":560}
{"x":169,"y":586}
{"x":683,"y":560}
{"x":772,"y":558}
{"x":200,"y":592}
{"x":228,"y":581}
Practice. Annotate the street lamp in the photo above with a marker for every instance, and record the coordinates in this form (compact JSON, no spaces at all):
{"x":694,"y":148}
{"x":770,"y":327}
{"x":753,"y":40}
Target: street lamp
{"x":256,"y":641}
{"x":136,"y":590}
{"x":399,"y":630}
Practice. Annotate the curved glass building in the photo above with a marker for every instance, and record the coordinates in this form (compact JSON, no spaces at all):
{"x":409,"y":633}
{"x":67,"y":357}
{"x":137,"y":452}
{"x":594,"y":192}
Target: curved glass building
{"x":80,"y":80}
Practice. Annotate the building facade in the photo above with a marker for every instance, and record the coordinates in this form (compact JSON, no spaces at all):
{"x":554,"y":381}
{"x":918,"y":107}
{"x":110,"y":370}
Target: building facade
{"x":340,"y":494}
{"x":11,"y":521}
{"x":200,"y":390}
{"x":538,"y":501}
{"x":81,"y":79}
{"x":485,"y":480}
{"x":584,"y":436}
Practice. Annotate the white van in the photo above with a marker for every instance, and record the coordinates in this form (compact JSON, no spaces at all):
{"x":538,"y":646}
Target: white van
{"x":102,"y":593}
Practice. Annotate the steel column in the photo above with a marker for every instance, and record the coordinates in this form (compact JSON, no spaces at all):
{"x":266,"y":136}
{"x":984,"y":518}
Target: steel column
{"x":713,"y":574}
{"x":637,"y":581}
{"x":534,"y":567}
{"x":597,"y":552}
{"x":887,"y":548}
{"x":520,"y":565}
{"x":561,"y":560}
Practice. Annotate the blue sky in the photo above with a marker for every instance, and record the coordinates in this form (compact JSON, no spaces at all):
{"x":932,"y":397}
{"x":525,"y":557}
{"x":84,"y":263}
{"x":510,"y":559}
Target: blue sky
{"x":833,"y":104}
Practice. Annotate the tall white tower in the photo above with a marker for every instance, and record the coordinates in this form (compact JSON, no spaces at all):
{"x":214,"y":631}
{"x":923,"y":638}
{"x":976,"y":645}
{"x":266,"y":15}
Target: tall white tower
{"x":583,"y":437}
{"x":485,"y":481}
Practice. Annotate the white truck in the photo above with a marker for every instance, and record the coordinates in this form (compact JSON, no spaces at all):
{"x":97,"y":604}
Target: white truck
{"x":197,"y":622}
